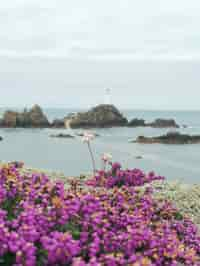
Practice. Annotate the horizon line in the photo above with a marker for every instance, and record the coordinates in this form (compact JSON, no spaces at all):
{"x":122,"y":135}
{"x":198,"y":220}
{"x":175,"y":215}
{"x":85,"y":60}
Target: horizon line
{"x":89,"y":107}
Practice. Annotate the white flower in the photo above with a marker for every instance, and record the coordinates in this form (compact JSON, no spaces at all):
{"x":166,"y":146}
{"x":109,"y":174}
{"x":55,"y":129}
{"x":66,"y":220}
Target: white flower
{"x":107,"y":157}
{"x":87,"y":137}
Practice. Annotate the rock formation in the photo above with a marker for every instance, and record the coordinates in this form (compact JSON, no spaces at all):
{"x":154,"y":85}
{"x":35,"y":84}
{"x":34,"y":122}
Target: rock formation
{"x":137,"y":123}
{"x":61,"y":135}
{"x":170,"y":138}
{"x":163,"y":123}
{"x":37,"y":117}
{"x":158,"y":123}
{"x":32,"y":118}
{"x":58,"y":123}
{"x":98,"y":117}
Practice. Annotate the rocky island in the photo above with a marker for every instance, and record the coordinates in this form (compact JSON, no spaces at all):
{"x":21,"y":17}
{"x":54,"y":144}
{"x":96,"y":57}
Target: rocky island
{"x":33,"y":118}
{"x":101,"y":116}
{"x":170,"y":138}
{"x":158,"y":123}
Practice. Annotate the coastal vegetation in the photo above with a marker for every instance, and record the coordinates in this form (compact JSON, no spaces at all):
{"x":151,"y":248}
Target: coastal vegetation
{"x":44,"y":223}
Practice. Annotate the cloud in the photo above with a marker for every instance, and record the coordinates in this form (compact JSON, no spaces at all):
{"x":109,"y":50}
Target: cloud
{"x":114,"y":29}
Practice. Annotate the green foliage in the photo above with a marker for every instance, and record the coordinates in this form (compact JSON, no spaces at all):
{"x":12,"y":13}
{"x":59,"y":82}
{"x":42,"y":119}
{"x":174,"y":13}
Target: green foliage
{"x":10,"y":205}
{"x":72,"y":227}
{"x":7,"y":260}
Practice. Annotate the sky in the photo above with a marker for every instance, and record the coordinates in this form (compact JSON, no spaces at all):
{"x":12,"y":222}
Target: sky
{"x":65,"y":53}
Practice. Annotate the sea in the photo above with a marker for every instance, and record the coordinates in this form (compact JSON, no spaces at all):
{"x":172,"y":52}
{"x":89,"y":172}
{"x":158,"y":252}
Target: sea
{"x":37,"y":149}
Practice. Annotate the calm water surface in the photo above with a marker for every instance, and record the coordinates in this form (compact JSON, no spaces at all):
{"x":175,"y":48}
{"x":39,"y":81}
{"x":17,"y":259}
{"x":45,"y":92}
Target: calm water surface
{"x":37,"y":149}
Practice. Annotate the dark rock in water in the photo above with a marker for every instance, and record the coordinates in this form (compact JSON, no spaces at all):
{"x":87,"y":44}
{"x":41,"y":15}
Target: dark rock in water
{"x":163,"y":123}
{"x":1,"y":122}
{"x":37,"y":117}
{"x":58,"y":123}
{"x":101,"y":116}
{"x":158,"y":123}
{"x":82,"y":134}
{"x":139,"y":157}
{"x":170,"y":138}
{"x":9,"y":119}
{"x":1,"y":138}
{"x":184,"y":126}
{"x":33,"y":118}
{"x":137,"y":123}
{"x":61,"y":135}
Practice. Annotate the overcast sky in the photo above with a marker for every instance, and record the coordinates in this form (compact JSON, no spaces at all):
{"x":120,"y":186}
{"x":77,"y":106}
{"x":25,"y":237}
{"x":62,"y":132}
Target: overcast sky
{"x":65,"y":52}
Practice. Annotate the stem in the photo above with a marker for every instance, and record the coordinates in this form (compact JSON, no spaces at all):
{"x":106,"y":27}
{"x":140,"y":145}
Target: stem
{"x":92,"y":157}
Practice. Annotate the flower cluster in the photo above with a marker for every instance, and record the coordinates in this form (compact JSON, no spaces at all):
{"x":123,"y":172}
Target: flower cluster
{"x":42,"y":223}
{"x":119,"y":177}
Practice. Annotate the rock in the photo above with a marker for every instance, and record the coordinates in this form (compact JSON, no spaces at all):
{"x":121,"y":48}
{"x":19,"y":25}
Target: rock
{"x":101,"y":116}
{"x":139,"y":157}
{"x":137,"y":123}
{"x":158,"y":123}
{"x":170,"y":138}
{"x":61,"y":135}
{"x":37,"y":117}
{"x":9,"y":119}
{"x":58,"y":123}
{"x":82,"y":134}
{"x":33,"y":118}
{"x":163,"y":123}
{"x":1,"y":138}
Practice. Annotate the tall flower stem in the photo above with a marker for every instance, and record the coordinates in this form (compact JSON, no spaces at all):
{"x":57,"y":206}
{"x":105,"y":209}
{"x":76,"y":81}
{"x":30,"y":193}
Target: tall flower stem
{"x":92,"y":157}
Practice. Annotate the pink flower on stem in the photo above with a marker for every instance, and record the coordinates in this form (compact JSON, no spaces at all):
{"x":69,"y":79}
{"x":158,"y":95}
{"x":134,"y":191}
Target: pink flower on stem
{"x":107,"y":157}
{"x":87,"y":137}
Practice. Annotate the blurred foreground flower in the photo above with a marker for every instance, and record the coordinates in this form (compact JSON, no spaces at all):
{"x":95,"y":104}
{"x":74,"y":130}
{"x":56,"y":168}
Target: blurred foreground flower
{"x":87,"y":137}
{"x":107,"y":157}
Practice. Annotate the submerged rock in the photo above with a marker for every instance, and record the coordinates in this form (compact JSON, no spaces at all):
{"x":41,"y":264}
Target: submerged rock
{"x":33,"y":118}
{"x":170,"y":138}
{"x":100,"y":116}
{"x":61,"y":135}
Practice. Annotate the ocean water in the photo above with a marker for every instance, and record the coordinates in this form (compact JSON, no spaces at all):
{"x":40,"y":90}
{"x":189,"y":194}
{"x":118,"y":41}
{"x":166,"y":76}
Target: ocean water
{"x":70,"y":156}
